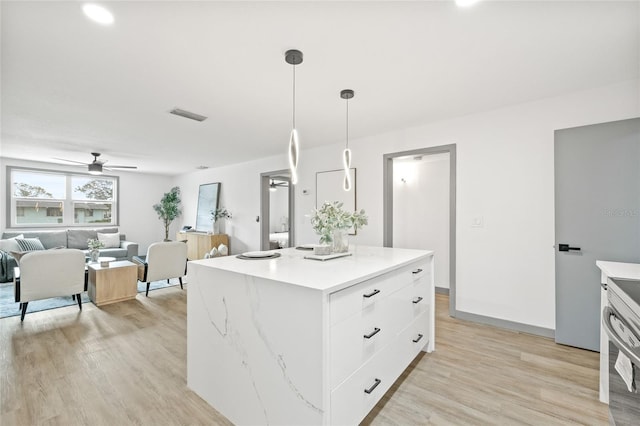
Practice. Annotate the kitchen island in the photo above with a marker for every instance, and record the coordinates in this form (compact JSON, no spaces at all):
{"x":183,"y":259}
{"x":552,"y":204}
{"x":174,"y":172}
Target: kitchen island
{"x":296,"y":341}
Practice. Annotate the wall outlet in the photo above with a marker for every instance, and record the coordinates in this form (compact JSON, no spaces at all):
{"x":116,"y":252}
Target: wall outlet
{"x":477,"y":222}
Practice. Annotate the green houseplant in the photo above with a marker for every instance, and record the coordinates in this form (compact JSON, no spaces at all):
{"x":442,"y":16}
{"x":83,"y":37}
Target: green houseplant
{"x":216,"y":215}
{"x":331,"y":222}
{"x":169,"y":209}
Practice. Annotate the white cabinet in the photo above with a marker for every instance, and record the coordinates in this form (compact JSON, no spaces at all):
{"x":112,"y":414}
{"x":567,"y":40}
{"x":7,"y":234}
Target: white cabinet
{"x":371,"y":347}
{"x":295,"y":341}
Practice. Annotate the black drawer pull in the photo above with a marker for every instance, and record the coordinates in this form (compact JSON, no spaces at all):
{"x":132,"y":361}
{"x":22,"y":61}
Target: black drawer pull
{"x":417,"y":271}
{"x":375,"y":331}
{"x":418,"y":300}
{"x":417,"y":339}
{"x":373,"y":386}
{"x":373,"y":293}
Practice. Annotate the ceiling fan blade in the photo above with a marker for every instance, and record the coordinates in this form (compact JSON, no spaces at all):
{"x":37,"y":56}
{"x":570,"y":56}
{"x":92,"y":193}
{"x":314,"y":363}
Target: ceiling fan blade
{"x":70,"y":161}
{"x":110,"y":166}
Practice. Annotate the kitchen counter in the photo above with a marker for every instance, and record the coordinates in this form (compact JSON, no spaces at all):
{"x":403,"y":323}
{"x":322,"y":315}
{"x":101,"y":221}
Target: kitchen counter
{"x":296,"y":341}
{"x":610,"y":270}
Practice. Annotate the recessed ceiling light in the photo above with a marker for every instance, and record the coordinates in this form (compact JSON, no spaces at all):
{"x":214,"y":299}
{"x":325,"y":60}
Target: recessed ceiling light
{"x":466,"y":3}
{"x":98,"y":14}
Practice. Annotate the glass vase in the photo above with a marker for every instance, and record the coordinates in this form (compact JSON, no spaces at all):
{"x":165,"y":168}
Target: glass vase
{"x":94,"y":254}
{"x":340,"y":241}
{"x":216,"y":226}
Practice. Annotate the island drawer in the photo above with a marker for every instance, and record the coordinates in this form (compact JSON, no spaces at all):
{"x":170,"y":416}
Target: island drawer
{"x":359,"y":337}
{"x":350,"y":300}
{"x":356,"y":396}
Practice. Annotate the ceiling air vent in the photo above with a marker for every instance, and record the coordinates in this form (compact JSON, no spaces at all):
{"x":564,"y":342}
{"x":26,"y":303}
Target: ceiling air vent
{"x":188,"y":114}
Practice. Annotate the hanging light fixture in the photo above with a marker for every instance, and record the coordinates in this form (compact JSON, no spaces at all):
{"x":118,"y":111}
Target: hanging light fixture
{"x":293,"y":57}
{"x":346,"y":154}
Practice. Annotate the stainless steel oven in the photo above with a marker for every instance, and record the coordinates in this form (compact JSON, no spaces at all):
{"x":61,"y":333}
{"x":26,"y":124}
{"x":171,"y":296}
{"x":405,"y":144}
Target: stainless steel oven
{"x":621,"y":320}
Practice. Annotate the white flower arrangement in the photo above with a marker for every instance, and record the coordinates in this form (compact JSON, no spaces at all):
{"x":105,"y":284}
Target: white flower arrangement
{"x":94,"y":244}
{"x":331,"y":216}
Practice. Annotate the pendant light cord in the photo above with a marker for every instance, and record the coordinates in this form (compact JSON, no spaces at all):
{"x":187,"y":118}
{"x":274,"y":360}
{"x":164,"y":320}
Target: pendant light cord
{"x":347,"y":123}
{"x":294,"y":96}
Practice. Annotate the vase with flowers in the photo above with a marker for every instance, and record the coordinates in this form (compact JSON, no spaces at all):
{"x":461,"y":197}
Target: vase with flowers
{"x":331,"y":222}
{"x":217,"y":216}
{"x":94,"y":246}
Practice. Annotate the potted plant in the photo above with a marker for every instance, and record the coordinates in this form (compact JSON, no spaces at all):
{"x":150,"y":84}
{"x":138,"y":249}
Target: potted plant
{"x":168,"y":209}
{"x":94,"y":246}
{"x":331,"y":222}
{"x":216,"y":215}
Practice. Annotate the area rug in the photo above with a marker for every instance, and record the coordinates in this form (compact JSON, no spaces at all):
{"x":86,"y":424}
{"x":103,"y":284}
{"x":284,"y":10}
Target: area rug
{"x":9,"y":308}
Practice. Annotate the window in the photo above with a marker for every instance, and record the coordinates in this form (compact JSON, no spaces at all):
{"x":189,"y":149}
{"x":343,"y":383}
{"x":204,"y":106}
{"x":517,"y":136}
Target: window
{"x":54,"y":211}
{"x":49,"y":198}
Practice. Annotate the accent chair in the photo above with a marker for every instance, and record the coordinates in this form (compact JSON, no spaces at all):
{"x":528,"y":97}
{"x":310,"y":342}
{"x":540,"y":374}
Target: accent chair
{"x":164,"y":260}
{"x":50,"y":273}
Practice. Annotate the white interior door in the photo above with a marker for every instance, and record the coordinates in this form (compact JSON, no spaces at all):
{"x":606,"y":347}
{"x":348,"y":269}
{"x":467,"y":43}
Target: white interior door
{"x":597,"y":217}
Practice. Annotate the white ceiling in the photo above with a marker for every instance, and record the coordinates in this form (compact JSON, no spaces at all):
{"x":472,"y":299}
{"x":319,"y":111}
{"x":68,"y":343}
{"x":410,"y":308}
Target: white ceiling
{"x":70,"y":86}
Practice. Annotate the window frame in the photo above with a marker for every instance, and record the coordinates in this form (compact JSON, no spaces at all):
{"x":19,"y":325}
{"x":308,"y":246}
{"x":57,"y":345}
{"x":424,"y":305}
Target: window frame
{"x":69,"y":201}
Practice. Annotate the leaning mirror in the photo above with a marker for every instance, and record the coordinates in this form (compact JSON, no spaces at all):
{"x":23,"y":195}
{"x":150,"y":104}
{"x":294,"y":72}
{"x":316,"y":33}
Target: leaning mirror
{"x":208,"y":199}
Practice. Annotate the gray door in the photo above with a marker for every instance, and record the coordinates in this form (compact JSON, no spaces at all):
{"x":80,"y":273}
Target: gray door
{"x":597,"y":217}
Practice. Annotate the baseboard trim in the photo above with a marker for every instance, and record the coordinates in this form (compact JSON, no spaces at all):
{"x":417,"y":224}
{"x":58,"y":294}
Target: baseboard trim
{"x":442,"y":290}
{"x":506,"y":324}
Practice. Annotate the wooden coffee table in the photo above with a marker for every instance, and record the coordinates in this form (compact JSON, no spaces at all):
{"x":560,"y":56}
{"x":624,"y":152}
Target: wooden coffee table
{"x":115,"y":283}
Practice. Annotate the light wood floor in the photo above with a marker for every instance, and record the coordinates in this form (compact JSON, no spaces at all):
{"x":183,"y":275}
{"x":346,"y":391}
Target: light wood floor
{"x":126,"y":364}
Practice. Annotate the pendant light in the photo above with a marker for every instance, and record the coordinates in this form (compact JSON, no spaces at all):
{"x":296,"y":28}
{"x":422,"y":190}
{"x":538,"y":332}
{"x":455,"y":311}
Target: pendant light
{"x":346,"y":154}
{"x":293,"y":57}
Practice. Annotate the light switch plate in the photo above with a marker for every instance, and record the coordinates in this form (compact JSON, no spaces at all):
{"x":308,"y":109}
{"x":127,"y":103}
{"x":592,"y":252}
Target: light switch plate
{"x":477,"y":222}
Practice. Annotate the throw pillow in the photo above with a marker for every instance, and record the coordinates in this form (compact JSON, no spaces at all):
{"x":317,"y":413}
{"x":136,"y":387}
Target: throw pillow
{"x":29,"y":244}
{"x":10,"y":244}
{"x":110,"y":240}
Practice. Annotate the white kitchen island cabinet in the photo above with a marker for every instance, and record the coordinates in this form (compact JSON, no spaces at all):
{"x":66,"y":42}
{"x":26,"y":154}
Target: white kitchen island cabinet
{"x":293,"y":341}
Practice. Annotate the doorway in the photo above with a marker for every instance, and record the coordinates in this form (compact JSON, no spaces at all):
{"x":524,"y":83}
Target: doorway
{"x":277,"y":227}
{"x":419,"y":191}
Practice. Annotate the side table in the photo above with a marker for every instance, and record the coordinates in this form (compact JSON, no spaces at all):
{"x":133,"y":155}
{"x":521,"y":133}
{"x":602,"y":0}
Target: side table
{"x":114,"y":283}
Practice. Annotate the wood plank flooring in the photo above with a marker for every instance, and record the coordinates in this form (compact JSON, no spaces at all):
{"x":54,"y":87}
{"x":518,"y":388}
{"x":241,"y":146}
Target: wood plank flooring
{"x":126,"y":364}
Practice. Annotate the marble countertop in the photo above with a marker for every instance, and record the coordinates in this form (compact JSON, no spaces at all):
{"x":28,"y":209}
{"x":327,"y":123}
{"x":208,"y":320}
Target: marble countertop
{"x":620,"y":270}
{"x":328,"y":276}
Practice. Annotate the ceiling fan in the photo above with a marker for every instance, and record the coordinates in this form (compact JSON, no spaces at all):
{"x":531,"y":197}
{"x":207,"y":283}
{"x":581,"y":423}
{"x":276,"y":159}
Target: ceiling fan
{"x":273,"y":186}
{"x":96,"y":166}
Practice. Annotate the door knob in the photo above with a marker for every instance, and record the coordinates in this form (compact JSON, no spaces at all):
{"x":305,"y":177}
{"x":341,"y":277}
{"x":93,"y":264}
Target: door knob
{"x":566,"y":247}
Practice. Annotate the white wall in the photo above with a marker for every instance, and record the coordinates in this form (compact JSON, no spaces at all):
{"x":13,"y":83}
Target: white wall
{"x":138,"y":193}
{"x":239,"y":193}
{"x":505,"y":175}
{"x":421,"y":208}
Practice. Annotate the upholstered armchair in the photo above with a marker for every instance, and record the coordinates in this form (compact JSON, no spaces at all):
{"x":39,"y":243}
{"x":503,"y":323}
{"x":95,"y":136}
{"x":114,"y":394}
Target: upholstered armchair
{"x":163,"y":261}
{"x":49,"y":273}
